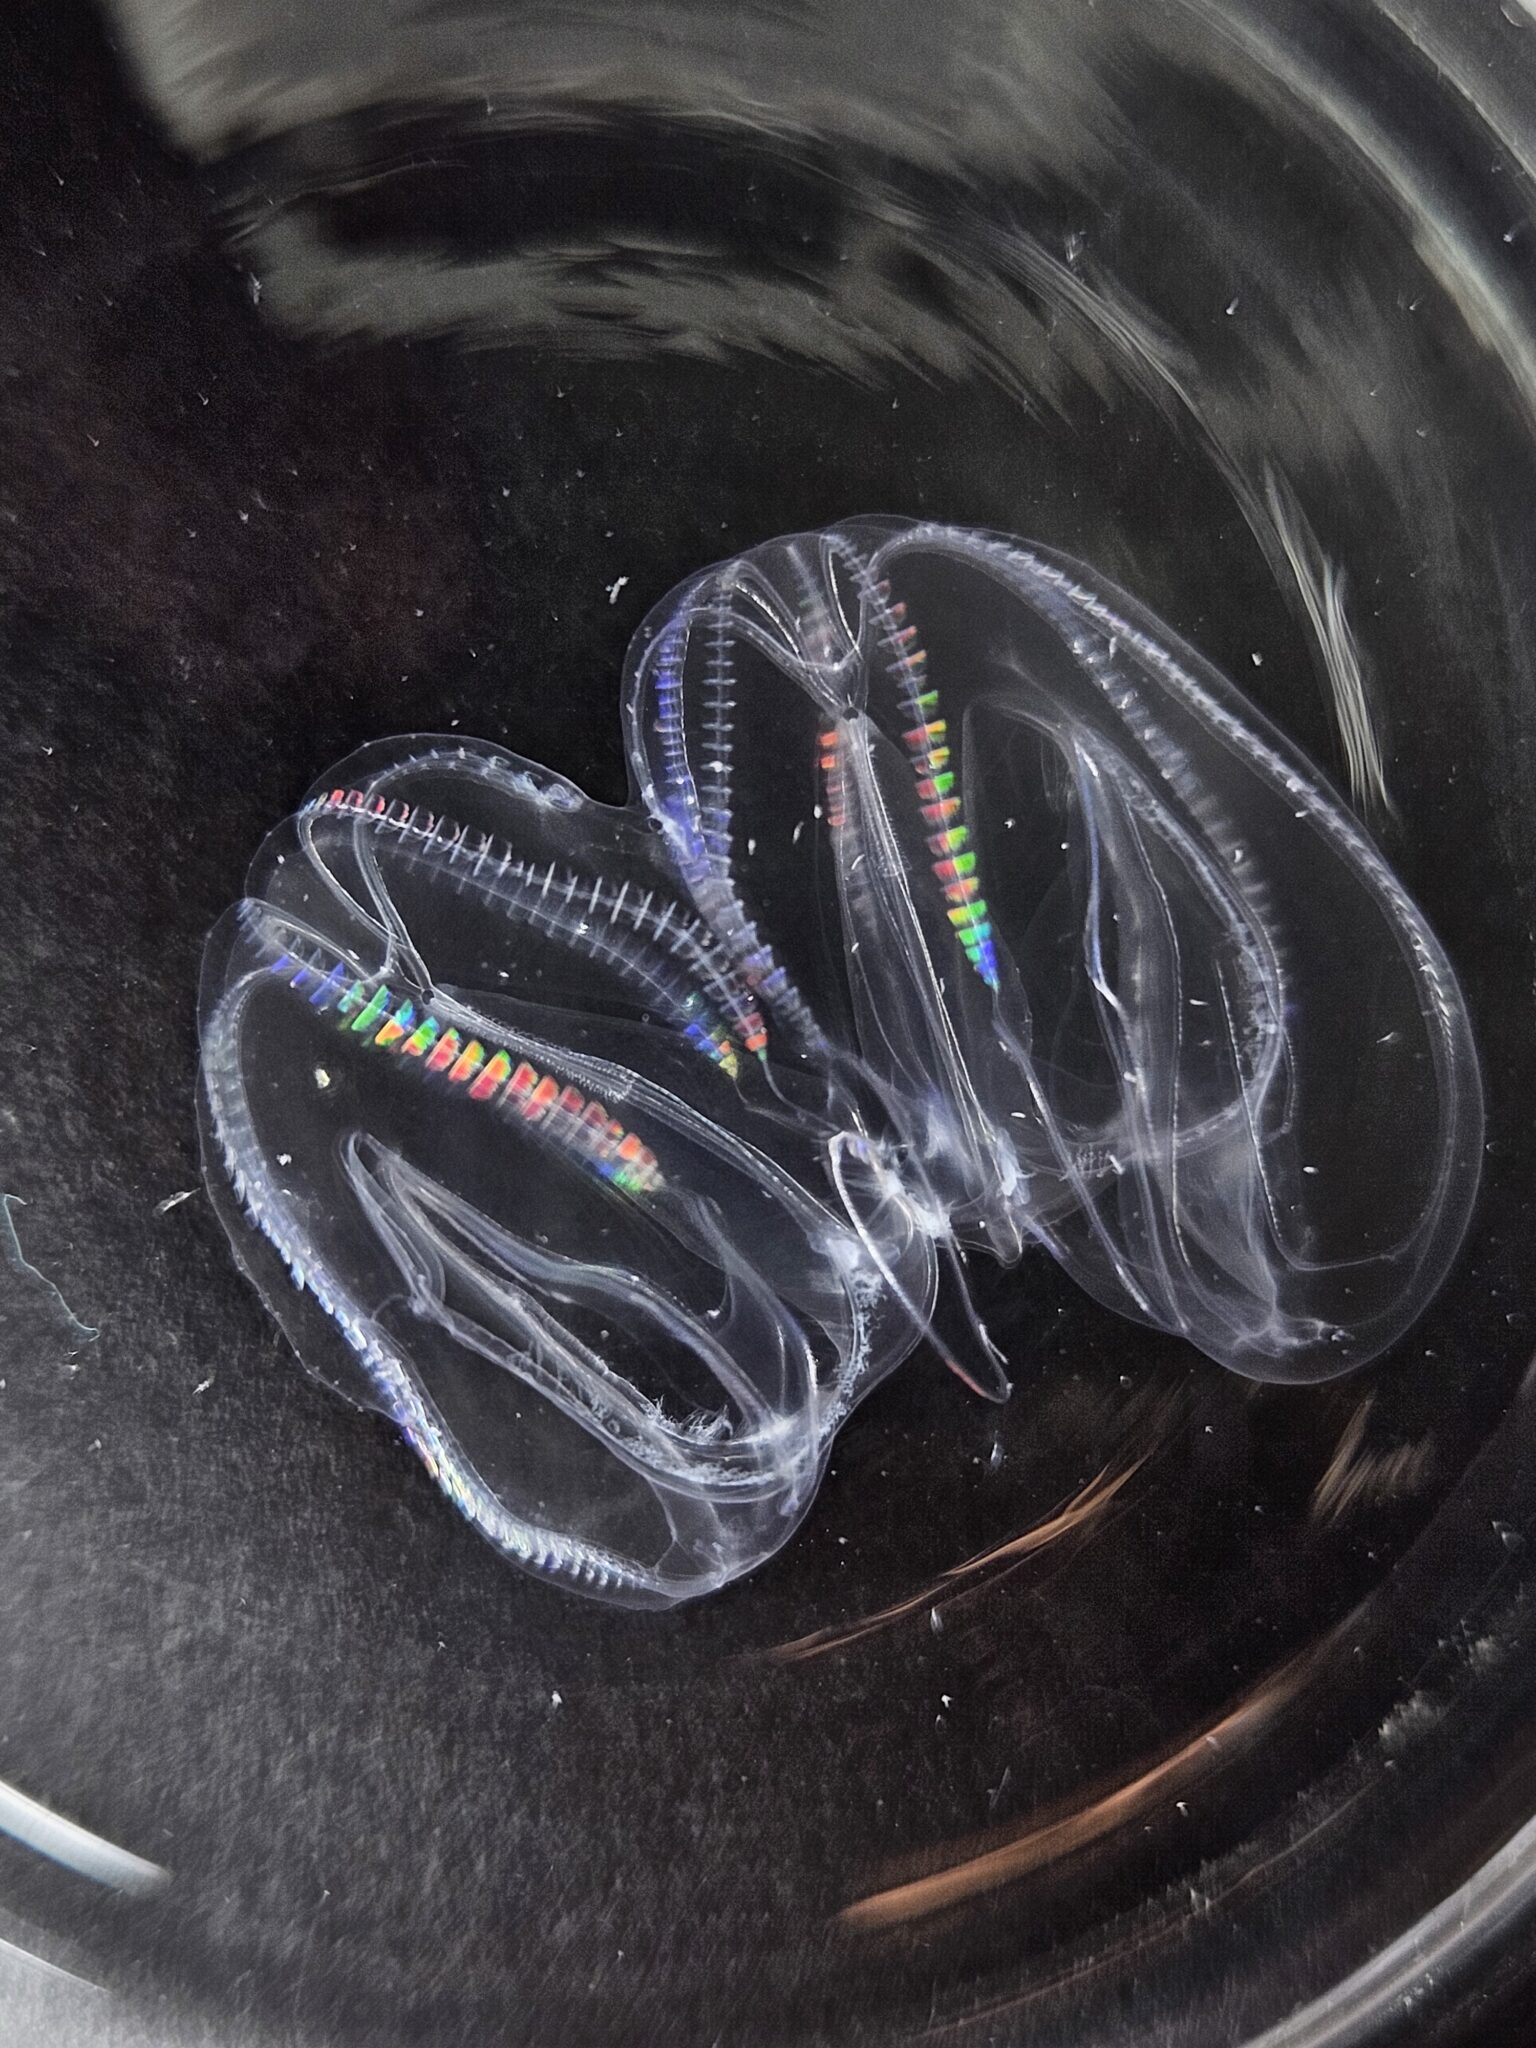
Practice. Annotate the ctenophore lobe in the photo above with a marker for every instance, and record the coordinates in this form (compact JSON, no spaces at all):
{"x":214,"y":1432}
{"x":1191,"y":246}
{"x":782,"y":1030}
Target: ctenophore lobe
{"x":959,"y":907}
{"x":479,"y":1073}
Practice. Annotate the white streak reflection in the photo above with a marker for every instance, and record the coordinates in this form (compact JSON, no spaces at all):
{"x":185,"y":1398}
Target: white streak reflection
{"x":65,"y":1841}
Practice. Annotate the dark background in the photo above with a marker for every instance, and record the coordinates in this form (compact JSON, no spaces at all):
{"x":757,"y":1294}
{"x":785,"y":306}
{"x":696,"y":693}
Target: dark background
{"x":241,"y":1633}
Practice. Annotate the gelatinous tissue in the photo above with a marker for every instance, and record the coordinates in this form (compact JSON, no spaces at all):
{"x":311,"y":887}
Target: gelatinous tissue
{"x":959,"y":910}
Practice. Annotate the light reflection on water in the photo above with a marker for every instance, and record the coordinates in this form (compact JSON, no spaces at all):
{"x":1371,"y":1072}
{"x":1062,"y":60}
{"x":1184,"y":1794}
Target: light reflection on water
{"x":1235,"y":301}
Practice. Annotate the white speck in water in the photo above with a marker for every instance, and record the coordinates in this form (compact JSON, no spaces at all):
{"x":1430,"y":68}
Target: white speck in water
{"x":203,"y":1385}
{"x":285,"y":1159}
{"x":322,"y":1078}
{"x":555,"y":1700}
{"x":615,"y":587}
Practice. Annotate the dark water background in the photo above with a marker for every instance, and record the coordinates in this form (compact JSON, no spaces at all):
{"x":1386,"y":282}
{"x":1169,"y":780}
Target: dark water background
{"x":448,"y":343}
